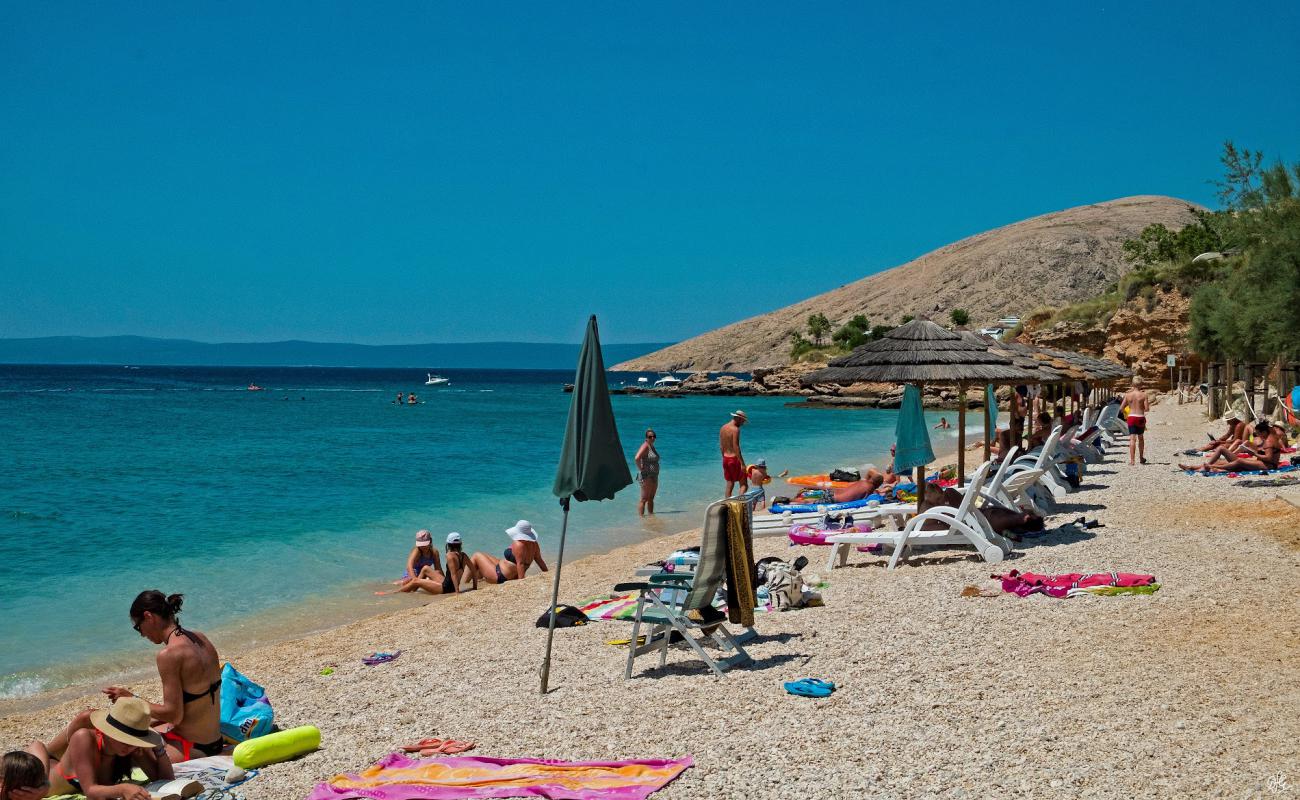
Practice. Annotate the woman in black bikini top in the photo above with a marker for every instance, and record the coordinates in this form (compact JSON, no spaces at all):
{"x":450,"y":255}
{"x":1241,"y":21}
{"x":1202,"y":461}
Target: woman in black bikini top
{"x":458,"y":566}
{"x":196,"y":718}
{"x":522,"y":553}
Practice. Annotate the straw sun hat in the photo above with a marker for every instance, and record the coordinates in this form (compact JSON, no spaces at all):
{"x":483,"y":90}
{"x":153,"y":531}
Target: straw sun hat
{"x":127,"y":721}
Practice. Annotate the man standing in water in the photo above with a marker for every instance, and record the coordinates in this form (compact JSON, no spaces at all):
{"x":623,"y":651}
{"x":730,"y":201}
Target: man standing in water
{"x":733,"y":463}
{"x":1138,"y":405}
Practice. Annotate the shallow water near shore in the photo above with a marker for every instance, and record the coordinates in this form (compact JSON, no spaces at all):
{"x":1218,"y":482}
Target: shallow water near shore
{"x":284,"y":510}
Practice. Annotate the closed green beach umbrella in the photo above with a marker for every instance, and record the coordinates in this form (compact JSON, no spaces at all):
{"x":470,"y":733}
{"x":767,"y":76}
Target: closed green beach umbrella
{"x":912,"y":436}
{"x":592,"y":465}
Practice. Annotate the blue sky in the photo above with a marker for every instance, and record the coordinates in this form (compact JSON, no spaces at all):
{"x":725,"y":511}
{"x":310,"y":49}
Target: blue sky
{"x":411,"y":172}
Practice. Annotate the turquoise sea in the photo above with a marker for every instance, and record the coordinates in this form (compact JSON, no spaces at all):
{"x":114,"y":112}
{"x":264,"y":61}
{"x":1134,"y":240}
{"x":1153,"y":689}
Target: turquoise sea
{"x":284,"y":510}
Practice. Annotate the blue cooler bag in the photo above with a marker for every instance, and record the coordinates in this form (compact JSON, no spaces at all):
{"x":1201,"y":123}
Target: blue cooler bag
{"x":245,"y":711}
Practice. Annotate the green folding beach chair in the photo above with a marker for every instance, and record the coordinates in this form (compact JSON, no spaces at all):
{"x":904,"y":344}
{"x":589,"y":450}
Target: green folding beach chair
{"x":682,"y":604}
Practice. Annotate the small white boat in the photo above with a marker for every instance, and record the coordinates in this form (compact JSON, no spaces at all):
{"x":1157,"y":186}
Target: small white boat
{"x":668,"y":380}
{"x":436,"y":380}
{"x":643,"y":379}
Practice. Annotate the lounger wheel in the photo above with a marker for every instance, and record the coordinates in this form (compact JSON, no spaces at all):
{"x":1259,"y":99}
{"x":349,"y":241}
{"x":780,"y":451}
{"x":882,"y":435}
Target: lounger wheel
{"x":992,"y":554}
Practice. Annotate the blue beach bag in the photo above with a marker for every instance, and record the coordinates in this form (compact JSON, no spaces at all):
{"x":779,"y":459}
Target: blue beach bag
{"x":246,"y":713}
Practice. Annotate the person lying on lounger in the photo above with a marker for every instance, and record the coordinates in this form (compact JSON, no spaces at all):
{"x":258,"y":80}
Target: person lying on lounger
{"x":521,"y":554}
{"x":1264,"y":455}
{"x":1039,"y":437}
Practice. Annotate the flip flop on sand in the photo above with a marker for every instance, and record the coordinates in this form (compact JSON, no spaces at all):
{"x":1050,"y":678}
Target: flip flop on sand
{"x":640,"y":640}
{"x":372,"y":659}
{"x":437,"y":747}
{"x":810,"y":687}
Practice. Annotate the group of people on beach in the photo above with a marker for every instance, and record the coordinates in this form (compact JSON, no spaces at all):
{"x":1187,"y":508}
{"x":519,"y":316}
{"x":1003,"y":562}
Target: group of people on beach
{"x":1243,"y":447}
{"x":737,"y":475}
{"x":96,"y":753}
{"x":425,"y":572}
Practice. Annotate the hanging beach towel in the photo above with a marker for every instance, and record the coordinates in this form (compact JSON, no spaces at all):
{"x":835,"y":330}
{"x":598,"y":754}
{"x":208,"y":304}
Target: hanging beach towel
{"x":912,"y":435}
{"x":246,"y":713}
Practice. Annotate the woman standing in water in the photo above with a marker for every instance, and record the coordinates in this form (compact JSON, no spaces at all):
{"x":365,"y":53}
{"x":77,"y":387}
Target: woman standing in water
{"x":521,"y":554}
{"x":647,"y":466}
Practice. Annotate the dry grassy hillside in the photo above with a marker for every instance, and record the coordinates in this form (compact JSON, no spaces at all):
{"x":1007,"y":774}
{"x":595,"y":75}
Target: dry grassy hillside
{"x":1052,"y":260}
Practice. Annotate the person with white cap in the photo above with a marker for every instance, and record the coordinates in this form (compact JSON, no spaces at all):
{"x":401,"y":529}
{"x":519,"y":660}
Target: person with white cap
{"x":459,"y":566}
{"x":733,"y":463}
{"x":99,"y":759}
{"x":518,"y":557}
{"x":424,"y":570}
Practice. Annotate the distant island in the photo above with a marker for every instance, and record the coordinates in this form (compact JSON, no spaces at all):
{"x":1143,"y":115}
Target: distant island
{"x":142,"y":351}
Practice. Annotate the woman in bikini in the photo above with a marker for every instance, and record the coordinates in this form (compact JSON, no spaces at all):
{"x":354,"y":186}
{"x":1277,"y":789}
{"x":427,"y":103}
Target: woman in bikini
{"x":99,"y":758}
{"x":190,"y":669}
{"x":1267,"y":455}
{"x":423,"y":570}
{"x":435,"y":581}
{"x":518,"y":557}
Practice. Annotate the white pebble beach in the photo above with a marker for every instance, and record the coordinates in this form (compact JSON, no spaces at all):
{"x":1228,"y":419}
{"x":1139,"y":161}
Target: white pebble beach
{"x":1190,"y":692}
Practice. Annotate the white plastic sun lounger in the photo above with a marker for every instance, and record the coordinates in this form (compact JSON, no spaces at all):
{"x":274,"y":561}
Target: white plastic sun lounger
{"x":965,"y":526}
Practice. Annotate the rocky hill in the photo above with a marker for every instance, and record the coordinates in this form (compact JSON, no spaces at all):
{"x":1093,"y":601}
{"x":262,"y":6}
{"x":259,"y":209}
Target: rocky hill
{"x":1140,"y":334}
{"x":1052,"y":260}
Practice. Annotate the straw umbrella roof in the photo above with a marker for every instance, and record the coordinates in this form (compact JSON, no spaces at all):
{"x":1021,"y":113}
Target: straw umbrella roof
{"x":921,"y":352}
{"x":1020,"y":357}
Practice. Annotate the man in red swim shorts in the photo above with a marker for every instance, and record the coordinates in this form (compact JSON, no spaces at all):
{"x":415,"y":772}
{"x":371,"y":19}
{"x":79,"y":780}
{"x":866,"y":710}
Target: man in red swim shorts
{"x":733,"y":463}
{"x":1138,"y":406}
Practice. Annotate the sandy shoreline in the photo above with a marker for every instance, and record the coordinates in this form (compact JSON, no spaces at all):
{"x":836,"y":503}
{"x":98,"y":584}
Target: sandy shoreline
{"x":1188,"y":692}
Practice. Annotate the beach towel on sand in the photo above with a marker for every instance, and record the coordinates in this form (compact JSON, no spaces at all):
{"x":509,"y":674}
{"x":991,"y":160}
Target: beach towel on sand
{"x":399,"y":777}
{"x":1074,"y":584}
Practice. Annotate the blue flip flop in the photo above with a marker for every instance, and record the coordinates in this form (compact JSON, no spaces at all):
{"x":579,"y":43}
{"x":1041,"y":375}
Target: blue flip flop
{"x":810,"y":687}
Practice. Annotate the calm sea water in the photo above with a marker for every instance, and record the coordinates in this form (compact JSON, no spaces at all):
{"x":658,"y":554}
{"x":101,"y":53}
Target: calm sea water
{"x":298,"y":502}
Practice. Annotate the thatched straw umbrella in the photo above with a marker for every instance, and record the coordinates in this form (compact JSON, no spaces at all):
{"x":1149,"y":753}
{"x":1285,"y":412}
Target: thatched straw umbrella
{"x":921,"y":352}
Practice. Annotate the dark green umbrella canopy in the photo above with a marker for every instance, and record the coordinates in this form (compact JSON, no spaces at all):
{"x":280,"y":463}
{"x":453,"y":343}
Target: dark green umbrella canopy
{"x":592,"y":465}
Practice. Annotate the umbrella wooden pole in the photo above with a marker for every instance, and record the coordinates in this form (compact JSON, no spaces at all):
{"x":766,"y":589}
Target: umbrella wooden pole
{"x":555,"y":598}
{"x":961,"y":434}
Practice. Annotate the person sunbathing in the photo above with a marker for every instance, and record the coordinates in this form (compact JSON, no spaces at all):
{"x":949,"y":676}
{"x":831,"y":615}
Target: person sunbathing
{"x":189,"y":721}
{"x":1039,"y":437}
{"x":98,"y":759}
{"x":519,"y":556}
{"x":423,"y":569}
{"x":1264,"y":455}
{"x":436,"y":581}
{"x":860,"y":490}
{"x":1236,"y":435}
{"x":23,"y":777}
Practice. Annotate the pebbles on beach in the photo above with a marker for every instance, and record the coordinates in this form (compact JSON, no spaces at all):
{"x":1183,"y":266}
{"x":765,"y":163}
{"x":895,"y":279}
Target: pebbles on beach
{"x":1188,"y":692}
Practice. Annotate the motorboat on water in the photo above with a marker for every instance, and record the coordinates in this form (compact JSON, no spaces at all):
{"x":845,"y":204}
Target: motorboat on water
{"x":643,"y":379}
{"x":669,"y":380}
{"x":436,"y":380}
{"x":253,"y":387}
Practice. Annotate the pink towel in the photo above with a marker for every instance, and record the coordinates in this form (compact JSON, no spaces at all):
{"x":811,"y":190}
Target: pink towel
{"x":1027,"y":583}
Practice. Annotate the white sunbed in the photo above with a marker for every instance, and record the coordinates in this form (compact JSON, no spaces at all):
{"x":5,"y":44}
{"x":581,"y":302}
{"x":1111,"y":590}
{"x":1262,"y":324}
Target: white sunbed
{"x":965,"y":526}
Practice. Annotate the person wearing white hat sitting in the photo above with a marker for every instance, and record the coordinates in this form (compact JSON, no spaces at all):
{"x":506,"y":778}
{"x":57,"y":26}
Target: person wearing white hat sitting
{"x":99,"y":759}
{"x":518,"y":557}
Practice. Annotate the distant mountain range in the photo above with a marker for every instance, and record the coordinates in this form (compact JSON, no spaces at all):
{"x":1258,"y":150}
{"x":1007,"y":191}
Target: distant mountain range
{"x":141,"y":350}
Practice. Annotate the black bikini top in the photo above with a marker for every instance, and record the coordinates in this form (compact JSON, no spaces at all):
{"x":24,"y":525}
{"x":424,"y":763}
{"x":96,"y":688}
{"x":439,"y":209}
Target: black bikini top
{"x":211,"y":691}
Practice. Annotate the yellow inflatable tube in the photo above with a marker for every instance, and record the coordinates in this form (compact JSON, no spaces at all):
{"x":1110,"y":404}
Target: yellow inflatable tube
{"x":276,"y":747}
